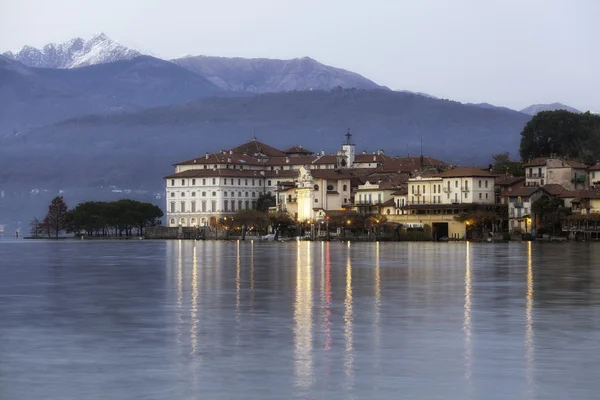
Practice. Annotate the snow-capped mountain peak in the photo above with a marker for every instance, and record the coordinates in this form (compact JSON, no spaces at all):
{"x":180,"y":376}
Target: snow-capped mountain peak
{"x":99,"y":49}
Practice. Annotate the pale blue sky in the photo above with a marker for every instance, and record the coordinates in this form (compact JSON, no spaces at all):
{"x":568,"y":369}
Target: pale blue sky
{"x":505,"y":52}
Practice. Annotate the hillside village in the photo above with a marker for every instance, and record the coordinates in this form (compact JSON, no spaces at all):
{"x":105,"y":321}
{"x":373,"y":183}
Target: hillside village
{"x":419,"y":192}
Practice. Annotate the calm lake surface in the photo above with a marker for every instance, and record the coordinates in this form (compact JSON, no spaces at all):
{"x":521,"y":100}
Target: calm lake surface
{"x":256,"y":320}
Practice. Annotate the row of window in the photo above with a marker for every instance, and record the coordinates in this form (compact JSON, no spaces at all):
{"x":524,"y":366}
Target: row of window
{"x":227,"y":206}
{"x":225,"y":194}
{"x":331,"y":187}
{"x":226,"y":181}
{"x":368,"y":197}
{"x":438,"y":188}
{"x":520,"y":212}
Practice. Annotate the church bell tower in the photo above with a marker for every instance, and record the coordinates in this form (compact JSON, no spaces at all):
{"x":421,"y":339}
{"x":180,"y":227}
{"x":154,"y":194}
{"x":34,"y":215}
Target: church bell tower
{"x":349,"y":149}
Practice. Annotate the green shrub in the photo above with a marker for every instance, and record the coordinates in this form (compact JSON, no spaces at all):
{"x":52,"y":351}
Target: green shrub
{"x":527,"y":237}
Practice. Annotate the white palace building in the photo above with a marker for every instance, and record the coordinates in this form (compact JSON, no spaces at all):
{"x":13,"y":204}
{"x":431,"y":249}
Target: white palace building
{"x":218,"y":185}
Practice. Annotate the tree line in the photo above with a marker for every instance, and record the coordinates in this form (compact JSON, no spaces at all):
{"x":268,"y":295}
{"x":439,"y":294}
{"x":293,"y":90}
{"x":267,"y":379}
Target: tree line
{"x":564,"y":134}
{"x":97,"y":218}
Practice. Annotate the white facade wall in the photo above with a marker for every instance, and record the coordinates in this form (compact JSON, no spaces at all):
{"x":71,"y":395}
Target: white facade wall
{"x":182,"y":193}
{"x":451,"y":190}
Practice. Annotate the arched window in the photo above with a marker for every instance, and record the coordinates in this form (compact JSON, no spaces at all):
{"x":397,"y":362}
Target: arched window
{"x":329,"y":187}
{"x":316,"y":187}
{"x":388,"y":211}
{"x":226,"y":206}
{"x":345,"y":188}
{"x":172,"y":221}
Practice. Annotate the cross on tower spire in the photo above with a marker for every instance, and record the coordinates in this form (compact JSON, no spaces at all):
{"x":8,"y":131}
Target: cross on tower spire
{"x":348,"y":137}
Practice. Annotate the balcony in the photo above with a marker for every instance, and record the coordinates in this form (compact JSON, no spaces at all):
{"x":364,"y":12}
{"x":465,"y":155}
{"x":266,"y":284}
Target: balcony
{"x":518,"y":204}
{"x":535,"y":176}
{"x":367,"y":203}
{"x":447,"y":190}
{"x":464,"y":189}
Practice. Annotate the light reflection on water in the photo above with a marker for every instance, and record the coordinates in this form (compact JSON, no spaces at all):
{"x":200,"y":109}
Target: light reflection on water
{"x":467,"y":320}
{"x":247,"y":320}
{"x":529,"y":344}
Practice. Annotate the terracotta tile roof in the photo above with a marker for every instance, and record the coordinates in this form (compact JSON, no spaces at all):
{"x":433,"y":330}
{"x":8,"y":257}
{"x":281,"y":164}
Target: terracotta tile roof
{"x":595,"y":167}
{"x":508,"y":180}
{"x":215,"y":173}
{"x":586,"y":195}
{"x":233,"y":173}
{"x":290,"y":160}
{"x":465,"y":172}
{"x":554,"y":189}
{"x":525,"y":191}
{"x":326,"y":159}
{"x":222,"y":158}
{"x":256,"y":149}
{"x":298,"y":150}
{"x":401,"y":192}
{"x":543,"y":161}
{"x":388,"y":203}
{"x":333,"y":174}
{"x":536,"y":162}
{"x":576,"y":164}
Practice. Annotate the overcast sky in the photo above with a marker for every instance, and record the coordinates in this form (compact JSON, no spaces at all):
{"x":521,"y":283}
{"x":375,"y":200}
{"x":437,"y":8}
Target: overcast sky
{"x":505,"y":52}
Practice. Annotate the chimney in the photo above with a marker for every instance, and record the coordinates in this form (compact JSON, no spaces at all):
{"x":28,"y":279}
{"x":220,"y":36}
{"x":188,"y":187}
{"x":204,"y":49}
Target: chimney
{"x":230,"y":152}
{"x":364,"y":152}
{"x":322,"y":152}
{"x":287,"y":160}
{"x":374,"y":157}
{"x":228,"y":159}
{"x":194,"y":161}
{"x":207,"y":155}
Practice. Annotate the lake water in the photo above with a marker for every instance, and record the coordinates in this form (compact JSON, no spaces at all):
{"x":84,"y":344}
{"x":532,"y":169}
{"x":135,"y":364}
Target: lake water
{"x":298,"y":320}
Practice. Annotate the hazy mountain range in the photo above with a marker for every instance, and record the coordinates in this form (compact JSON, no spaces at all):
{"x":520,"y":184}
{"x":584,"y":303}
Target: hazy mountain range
{"x":261,"y":75}
{"x":86,"y":114}
{"x":536,"y":108}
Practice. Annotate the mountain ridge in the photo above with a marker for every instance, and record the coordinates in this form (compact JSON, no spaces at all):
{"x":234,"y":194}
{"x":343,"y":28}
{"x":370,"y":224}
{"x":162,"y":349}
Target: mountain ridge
{"x":137,"y":148}
{"x":75,"y":53}
{"x":536,"y":108}
{"x":38,"y":96}
{"x":265,"y":75}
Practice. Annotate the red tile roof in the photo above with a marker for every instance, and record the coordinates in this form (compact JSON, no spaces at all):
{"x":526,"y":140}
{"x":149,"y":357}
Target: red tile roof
{"x":508,"y":180}
{"x":257,"y":149}
{"x":298,"y":150}
{"x":466,"y":172}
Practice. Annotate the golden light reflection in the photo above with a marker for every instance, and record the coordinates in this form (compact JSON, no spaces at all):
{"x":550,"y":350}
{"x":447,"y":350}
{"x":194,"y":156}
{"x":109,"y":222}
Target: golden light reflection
{"x":252,"y":276}
{"x":194,"y":311}
{"x":377,"y":307}
{"x":179,"y":292}
{"x":238,"y":272}
{"x":303,"y":317}
{"x":529,"y":345}
{"x":468,"y":355}
{"x":327,"y":305}
{"x":348,"y":328}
